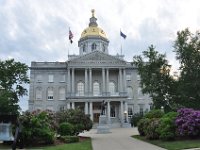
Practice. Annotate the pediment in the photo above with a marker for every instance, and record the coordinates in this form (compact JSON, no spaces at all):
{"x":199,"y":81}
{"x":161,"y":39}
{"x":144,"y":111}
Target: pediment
{"x":98,"y":58}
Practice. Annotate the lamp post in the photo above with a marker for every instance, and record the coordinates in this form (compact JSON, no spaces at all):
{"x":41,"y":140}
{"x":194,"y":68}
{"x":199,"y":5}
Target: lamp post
{"x":125,"y":116}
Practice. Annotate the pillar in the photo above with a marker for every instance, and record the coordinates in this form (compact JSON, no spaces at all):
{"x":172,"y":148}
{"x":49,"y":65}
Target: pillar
{"x":73,"y":106}
{"x":91,"y":111}
{"x":86,"y":82}
{"x":103,"y":80}
{"x":120,"y":80}
{"x":68,"y":80}
{"x":124,"y":80}
{"x":68,"y":105}
{"x":107,"y":80}
{"x":126,"y":109}
{"x":122,"y":112}
{"x":108,"y":111}
{"x":73,"y":92}
{"x":86,"y":108}
{"x":90,"y":81}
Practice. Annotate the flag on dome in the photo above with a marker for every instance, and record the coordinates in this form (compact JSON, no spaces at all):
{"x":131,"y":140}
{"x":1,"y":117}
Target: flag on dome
{"x":122,"y":34}
{"x":70,"y":36}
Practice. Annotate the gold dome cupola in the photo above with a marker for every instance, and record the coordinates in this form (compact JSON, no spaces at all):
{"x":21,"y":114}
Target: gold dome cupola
{"x":93,"y":37}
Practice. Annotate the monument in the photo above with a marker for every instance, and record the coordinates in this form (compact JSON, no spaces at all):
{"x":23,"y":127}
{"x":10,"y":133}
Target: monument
{"x":103,"y":126}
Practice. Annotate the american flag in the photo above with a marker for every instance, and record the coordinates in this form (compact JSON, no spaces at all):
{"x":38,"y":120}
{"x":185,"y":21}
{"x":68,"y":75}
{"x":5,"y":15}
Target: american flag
{"x":70,"y":36}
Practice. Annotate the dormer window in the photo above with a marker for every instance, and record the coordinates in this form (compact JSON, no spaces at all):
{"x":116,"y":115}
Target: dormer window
{"x":94,"y":46}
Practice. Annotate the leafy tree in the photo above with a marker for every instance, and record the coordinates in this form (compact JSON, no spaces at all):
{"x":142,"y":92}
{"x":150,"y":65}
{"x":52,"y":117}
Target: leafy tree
{"x":187,"y":49}
{"x":156,"y":81}
{"x":13,"y":75}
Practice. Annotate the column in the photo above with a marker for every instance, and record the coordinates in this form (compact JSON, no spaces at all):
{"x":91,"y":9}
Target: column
{"x":90,"y":81}
{"x":124,"y":80}
{"x":122,"y":112}
{"x":68,"y":80}
{"x":73,"y":106}
{"x":91,"y":111}
{"x":68,"y":105}
{"x":86,"y":82}
{"x":73,"y":81}
{"x":107,"y":80}
{"x":86,"y":108}
{"x":120,"y":80}
{"x":103,"y":80}
{"x":126,"y":110}
{"x":108,"y":111}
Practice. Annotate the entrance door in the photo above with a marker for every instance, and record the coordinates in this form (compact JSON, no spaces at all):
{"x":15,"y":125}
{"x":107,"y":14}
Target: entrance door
{"x":96,"y":117}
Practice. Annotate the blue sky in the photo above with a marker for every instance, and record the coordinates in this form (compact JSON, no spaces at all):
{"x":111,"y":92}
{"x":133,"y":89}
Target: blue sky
{"x":37,"y":30}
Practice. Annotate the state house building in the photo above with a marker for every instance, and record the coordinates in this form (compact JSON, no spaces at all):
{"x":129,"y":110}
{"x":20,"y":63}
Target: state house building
{"x":85,"y":80}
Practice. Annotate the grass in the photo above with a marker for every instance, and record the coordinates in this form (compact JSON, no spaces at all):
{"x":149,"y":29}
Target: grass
{"x":172,"y":145}
{"x":84,"y":145}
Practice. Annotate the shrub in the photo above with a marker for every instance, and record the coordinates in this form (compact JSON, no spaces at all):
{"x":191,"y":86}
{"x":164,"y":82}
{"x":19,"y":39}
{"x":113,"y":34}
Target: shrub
{"x":65,"y":129}
{"x":135,"y":119}
{"x":156,"y":113}
{"x":151,"y":129}
{"x":37,"y":127}
{"x":167,"y":126}
{"x":188,"y":122}
{"x":77,"y":118}
{"x":69,"y":139}
{"x":142,"y":126}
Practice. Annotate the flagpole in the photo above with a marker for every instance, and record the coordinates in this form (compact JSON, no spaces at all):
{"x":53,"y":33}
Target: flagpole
{"x":121,"y":44}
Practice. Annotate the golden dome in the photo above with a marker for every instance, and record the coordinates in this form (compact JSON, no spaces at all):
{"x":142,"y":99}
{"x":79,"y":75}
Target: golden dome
{"x":93,"y":31}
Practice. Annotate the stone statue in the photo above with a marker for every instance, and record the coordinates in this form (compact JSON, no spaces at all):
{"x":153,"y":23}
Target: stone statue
{"x":103,"y":107}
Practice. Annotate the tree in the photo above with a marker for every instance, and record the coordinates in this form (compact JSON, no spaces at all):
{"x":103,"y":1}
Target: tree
{"x":156,"y":81}
{"x":13,"y":75}
{"x":187,"y":49}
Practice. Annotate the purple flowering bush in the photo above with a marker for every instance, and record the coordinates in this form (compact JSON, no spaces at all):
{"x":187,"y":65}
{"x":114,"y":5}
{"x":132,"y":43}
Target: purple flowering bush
{"x":188,"y":122}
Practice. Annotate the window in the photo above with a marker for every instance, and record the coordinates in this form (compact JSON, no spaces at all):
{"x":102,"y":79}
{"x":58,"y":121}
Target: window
{"x":62,"y":78}
{"x":50,"y":93}
{"x":50,"y":78}
{"x":96,"y":89}
{"x":62,"y":108}
{"x":80,"y":89}
{"x":112,"y":88}
{"x":84,"y":48}
{"x":130,"y":92}
{"x":128,"y":77}
{"x":130,"y":111}
{"x":112,"y":111}
{"x":61,"y":93}
{"x":38,"y":93}
{"x":38,"y":78}
{"x":94,"y":46}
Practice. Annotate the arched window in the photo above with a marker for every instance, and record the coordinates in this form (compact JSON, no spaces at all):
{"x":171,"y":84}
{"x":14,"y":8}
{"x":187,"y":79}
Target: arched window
{"x":61,"y":93}
{"x":112,"y":88}
{"x":96,"y":89}
{"x":50,"y":93}
{"x":130,"y":92}
{"x":38,"y":93}
{"x":80,"y":88}
{"x":94,"y":46}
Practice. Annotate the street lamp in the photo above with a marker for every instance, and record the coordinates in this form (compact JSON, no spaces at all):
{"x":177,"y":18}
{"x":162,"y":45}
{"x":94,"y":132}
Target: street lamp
{"x":125,"y":114}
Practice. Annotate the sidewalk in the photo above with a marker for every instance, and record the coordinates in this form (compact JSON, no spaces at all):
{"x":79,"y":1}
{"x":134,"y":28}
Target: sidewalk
{"x":118,"y":139}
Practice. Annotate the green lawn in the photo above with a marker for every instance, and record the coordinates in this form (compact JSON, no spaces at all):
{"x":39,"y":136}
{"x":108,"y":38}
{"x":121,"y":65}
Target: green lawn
{"x":84,"y":145}
{"x":172,"y":145}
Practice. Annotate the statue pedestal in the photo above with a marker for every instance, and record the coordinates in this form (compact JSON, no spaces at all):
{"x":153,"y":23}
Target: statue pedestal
{"x":103,"y":126}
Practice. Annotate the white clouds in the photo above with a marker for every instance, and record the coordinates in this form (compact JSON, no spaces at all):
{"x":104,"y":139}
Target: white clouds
{"x":39,"y":29}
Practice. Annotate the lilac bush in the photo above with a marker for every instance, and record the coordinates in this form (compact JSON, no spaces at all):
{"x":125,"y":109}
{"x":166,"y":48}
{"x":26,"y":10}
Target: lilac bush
{"x":188,"y":122}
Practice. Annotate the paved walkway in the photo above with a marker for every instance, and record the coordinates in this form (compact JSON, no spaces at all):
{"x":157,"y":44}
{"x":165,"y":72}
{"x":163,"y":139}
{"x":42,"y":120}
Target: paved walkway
{"x":118,"y":139}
